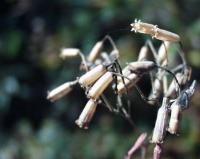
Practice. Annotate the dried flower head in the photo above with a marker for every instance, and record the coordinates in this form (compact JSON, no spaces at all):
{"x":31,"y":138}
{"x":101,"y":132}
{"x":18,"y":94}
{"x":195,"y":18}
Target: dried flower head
{"x":96,"y":50}
{"x":143,"y":54}
{"x":69,"y":52}
{"x":141,"y":67}
{"x":154,"y":31}
{"x":87,"y":114}
{"x":91,"y":76}
{"x":161,"y":122}
{"x":60,"y":91}
{"x":162,"y":53}
{"x":174,"y":118}
{"x":100,"y":85}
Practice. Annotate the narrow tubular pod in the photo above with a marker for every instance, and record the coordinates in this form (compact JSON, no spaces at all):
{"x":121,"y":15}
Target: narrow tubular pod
{"x":157,"y":90}
{"x":154,"y":31}
{"x":96,"y":50}
{"x":141,"y":67}
{"x":143,"y":54}
{"x":162,"y":53}
{"x":87,"y":114}
{"x":174,"y":118}
{"x":161,"y":123}
{"x":91,"y":76}
{"x":100,"y":85}
{"x":133,"y":79}
{"x":60,"y":91}
{"x":69,"y":52}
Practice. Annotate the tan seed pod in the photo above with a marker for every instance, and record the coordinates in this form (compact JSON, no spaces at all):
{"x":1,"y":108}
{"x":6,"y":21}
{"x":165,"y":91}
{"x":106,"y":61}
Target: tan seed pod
{"x":96,"y":50}
{"x":100,"y":85}
{"x":91,"y":76}
{"x":143,"y":54}
{"x":59,"y":92}
{"x":141,"y":67}
{"x":162,"y":53}
{"x":134,"y":78}
{"x":161,"y":123}
{"x":154,"y":31}
{"x":156,"y":93}
{"x":174,"y":118}
{"x":69,"y":52}
{"x":87,"y":114}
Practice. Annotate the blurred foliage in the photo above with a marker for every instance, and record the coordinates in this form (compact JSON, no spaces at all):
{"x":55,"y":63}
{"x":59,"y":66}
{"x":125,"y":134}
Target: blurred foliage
{"x":31,"y":36}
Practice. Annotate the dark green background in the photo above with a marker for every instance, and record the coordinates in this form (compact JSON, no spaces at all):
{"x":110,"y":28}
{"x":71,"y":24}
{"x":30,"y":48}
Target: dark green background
{"x":32,"y":32}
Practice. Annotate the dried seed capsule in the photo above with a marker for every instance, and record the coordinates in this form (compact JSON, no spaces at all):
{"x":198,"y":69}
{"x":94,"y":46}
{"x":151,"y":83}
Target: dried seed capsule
{"x":174,"y":118}
{"x":95,"y":51}
{"x":165,"y":35}
{"x":128,"y":83}
{"x":141,"y":67}
{"x":60,"y":91}
{"x":154,"y":31}
{"x":157,"y":152}
{"x":143,"y":54}
{"x":179,"y":105}
{"x":100,"y":85}
{"x":156,"y":93}
{"x":162,"y":53}
{"x":87,"y":114}
{"x":91,"y":76}
{"x":161,"y":122}
{"x":69,"y":52}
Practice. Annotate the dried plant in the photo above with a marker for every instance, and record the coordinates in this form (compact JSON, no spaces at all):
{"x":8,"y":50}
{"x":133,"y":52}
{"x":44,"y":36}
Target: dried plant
{"x":169,"y":84}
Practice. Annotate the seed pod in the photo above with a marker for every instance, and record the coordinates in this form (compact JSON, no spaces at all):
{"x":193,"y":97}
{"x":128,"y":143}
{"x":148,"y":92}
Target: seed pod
{"x":154,"y":31}
{"x":134,"y":78}
{"x":95,"y":51}
{"x":156,"y":93}
{"x":69,"y":52}
{"x":91,"y":76}
{"x":87,"y":114}
{"x":174,"y":118}
{"x":100,"y":85}
{"x":157,"y":152}
{"x":161,"y":123}
{"x":141,"y":67}
{"x":165,"y":35}
{"x":162,"y":53}
{"x":60,"y":91}
{"x":143,"y":54}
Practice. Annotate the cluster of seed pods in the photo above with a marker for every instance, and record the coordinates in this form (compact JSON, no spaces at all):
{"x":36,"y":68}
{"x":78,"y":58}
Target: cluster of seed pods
{"x":170,"y":88}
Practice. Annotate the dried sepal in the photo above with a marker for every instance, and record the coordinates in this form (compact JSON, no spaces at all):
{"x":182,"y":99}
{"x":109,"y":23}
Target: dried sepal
{"x":100,"y":85}
{"x":87,"y":114}
{"x":154,"y":31}
{"x":91,"y":76}
{"x":69,"y":52}
{"x":60,"y":91}
{"x":96,"y":50}
{"x":141,"y":67}
{"x":161,"y":122}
